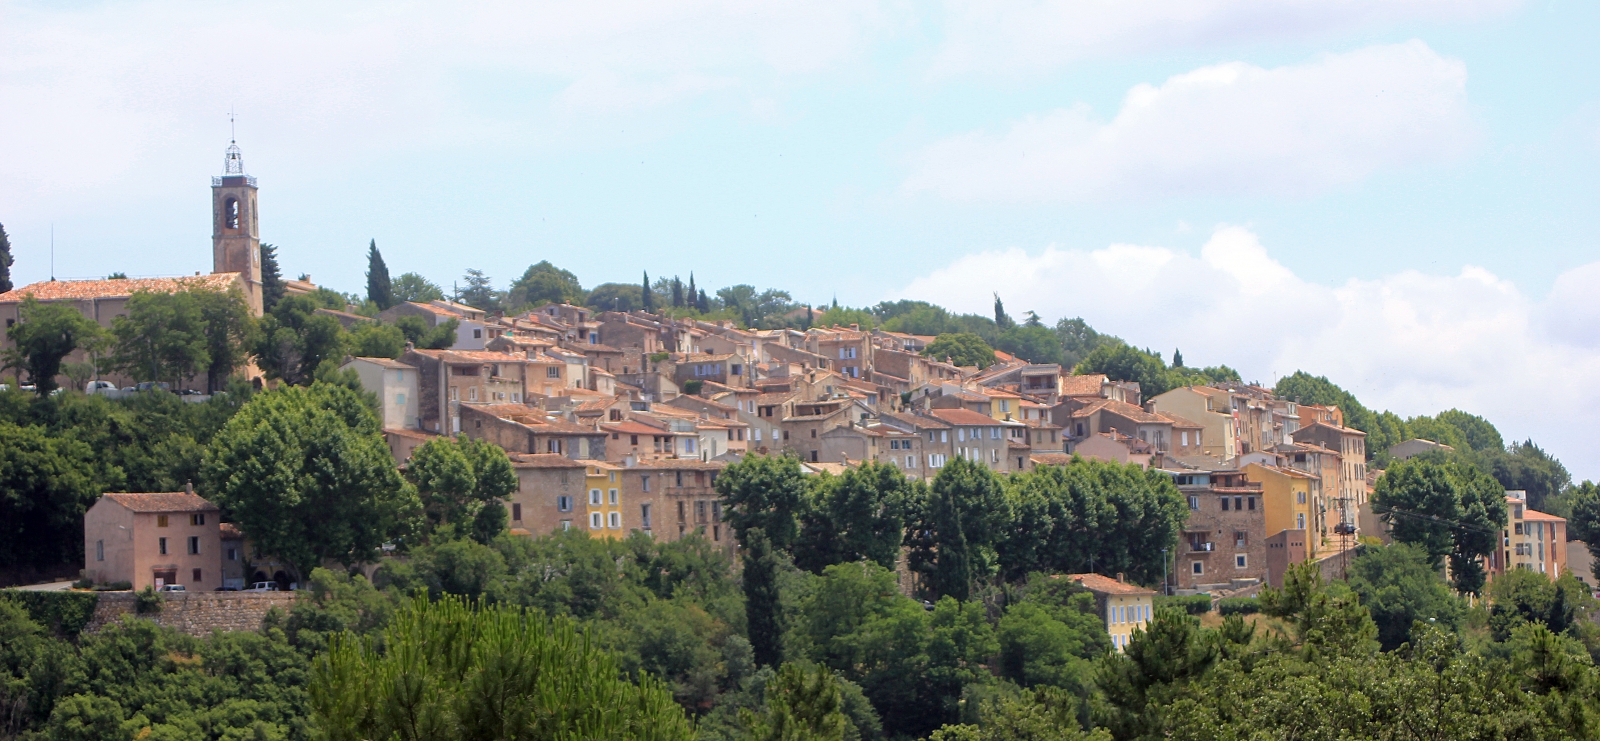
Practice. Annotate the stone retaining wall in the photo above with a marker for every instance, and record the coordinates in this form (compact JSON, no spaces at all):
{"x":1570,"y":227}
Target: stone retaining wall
{"x":195,"y":613}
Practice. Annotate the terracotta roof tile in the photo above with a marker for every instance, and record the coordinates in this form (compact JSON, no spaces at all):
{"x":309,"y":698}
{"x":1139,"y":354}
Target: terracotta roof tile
{"x":544,"y":460}
{"x":59,"y":290}
{"x":962,"y":417}
{"x":1107,"y":585}
{"x":1085,"y":385}
{"x":167,"y":501}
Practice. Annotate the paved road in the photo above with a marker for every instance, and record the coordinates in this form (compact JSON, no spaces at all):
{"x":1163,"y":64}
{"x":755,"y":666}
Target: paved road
{"x":55,"y":586}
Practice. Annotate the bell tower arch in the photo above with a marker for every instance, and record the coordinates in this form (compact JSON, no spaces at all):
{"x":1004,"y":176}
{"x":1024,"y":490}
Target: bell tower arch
{"x":236,"y":226}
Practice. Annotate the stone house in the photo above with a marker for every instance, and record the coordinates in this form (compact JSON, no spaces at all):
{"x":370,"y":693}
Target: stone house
{"x":395,"y":385}
{"x":551,"y":493}
{"x":1224,"y":539}
{"x":523,"y":429}
{"x":1351,"y":444}
{"x":447,"y":378}
{"x":155,"y":539}
{"x":1210,"y":408}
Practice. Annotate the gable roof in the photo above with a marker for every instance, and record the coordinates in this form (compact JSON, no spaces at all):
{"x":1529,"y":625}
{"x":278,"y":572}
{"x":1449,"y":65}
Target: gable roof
{"x":1107,"y":585}
{"x":166,"y":501}
{"x":77,"y":290}
{"x":963,"y":417}
{"x":1085,"y":385}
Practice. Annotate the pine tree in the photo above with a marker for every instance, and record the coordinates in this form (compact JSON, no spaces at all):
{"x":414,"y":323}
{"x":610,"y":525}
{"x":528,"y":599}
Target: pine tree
{"x":677,"y":292}
{"x":1001,"y":319}
{"x":1177,"y":358}
{"x":647,"y":299}
{"x":271,"y":278}
{"x":763,"y":608}
{"x":5,"y":260}
{"x":378,"y":289}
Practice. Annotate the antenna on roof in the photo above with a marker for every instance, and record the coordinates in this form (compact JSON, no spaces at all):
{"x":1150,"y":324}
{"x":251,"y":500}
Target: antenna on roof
{"x":52,"y":252}
{"x":232,"y":135}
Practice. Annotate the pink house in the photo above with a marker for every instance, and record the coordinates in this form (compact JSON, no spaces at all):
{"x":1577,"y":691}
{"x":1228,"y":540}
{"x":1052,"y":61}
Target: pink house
{"x":155,"y":539}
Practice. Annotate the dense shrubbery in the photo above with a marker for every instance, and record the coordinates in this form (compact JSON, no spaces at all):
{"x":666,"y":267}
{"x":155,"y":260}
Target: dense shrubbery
{"x":1193,"y":604}
{"x":1238,"y":606}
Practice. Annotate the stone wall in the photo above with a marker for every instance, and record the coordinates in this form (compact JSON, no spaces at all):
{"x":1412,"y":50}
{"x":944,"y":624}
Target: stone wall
{"x":195,"y":613}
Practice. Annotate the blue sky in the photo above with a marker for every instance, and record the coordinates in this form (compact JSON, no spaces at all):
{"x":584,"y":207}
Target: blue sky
{"x":1396,"y":193}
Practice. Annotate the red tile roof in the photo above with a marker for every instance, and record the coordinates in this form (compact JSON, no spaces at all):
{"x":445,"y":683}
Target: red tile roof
{"x":1107,"y":585}
{"x":1086,"y":385}
{"x":544,"y":460}
{"x":962,"y":417}
{"x":72,"y":290}
{"x":168,"y":501}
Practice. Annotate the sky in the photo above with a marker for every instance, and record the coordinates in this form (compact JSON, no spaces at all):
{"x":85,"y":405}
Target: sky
{"x":1398,"y":194}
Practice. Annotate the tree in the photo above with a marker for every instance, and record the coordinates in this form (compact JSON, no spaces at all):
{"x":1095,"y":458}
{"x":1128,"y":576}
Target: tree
{"x":1177,"y":358}
{"x":859,"y":514}
{"x":229,"y":331}
{"x":272,"y":288}
{"x":765,"y":492}
{"x":1001,"y":318}
{"x":5,"y":260}
{"x":1526,"y":467}
{"x":1031,"y":342}
{"x":615,"y":297}
{"x":962,"y":348}
{"x":46,"y":484}
{"x":1446,"y":509}
{"x":763,"y":604}
{"x":703,"y":303}
{"x":417,"y":332}
{"x":1122,"y":362}
{"x":45,"y":334}
{"x":379,"y":291}
{"x":951,"y":573}
{"x":542,"y":284}
{"x":480,"y":293}
{"x":1078,"y":339}
{"x":647,"y":297}
{"x":677,"y":292}
{"x":450,"y":669}
{"x":1584,"y":524}
{"x":1399,"y":586}
{"x":295,"y":339}
{"x":801,"y":703}
{"x":463,"y":483}
{"x":162,"y":338}
{"x":377,"y":340}
{"x":306,"y":472}
{"x":692,"y":296}
{"x":955,"y":530}
{"x":414,"y":287}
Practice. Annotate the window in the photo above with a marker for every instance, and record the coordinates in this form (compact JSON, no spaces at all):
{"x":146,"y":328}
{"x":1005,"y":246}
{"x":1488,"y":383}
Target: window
{"x":716,"y":511}
{"x":1252,"y":501}
{"x":716,"y":533}
{"x":162,"y":545}
{"x":233,"y":554}
{"x":230,"y":214}
{"x":755,"y":433}
{"x":994,"y":433}
{"x":1300,"y":521}
{"x":400,"y":399}
{"x":813,"y":432}
{"x":477,"y":334}
{"x":197,"y":519}
{"x":516,"y":511}
{"x":566,"y":524}
{"x":679,"y":478}
{"x":612,"y":495}
{"x":472,"y":393}
{"x":197,"y":576}
{"x":595,"y":521}
{"x":1224,"y":504}
{"x":552,"y":372}
{"x":564,"y":504}
{"x":161,"y":521}
{"x":615,"y":520}
{"x":594,"y":497}
{"x":1240,"y":538}
{"x":944,"y":436}
{"x":1194,"y":503}
{"x":688,"y":445}
{"x":1197,"y":567}
{"x":1239,"y":560}
{"x":911,"y":461}
{"x":99,"y":550}
{"x":194,"y":545}
{"x":680,"y":511}
{"x":644,"y":515}
{"x":1300,"y":497}
{"x":700,"y":511}
{"x":644,"y":482}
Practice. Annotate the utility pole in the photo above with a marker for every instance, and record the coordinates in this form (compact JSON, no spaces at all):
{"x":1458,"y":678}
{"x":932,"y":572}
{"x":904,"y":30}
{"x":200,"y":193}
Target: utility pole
{"x":1165,"y":590}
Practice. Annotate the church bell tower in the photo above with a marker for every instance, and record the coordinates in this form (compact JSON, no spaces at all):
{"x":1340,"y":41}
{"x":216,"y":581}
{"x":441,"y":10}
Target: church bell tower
{"x":235,"y":228}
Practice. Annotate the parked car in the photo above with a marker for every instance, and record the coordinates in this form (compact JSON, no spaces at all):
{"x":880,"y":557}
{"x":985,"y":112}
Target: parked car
{"x":263,"y":586}
{"x":99,"y":387}
{"x":152,"y":385}
{"x":172,"y":588}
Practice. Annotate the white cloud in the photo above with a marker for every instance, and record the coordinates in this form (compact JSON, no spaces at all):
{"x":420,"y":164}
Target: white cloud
{"x":1411,"y":342}
{"x":1230,"y":128}
{"x":1037,"y":35}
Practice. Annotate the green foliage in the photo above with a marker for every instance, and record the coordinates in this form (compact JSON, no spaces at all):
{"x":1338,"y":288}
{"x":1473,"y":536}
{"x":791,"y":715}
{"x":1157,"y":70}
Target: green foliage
{"x":860,"y":514}
{"x":844,"y":317}
{"x":463,"y":483}
{"x":692,"y":387}
{"x":1447,"y":509}
{"x":148,"y":601}
{"x":1399,"y":586}
{"x":230,"y":332}
{"x":5,"y":260}
{"x":1238,"y":606}
{"x":765,"y":492}
{"x":162,"y":338}
{"x":955,"y":531}
{"x":414,"y":287}
{"x":1328,"y":619}
{"x":1139,"y":685}
{"x":375,"y":340}
{"x":1044,"y":714}
{"x":1192,"y":604}
{"x":615,"y":297}
{"x":44,"y":335}
{"x":542,"y":284}
{"x":272,"y":288}
{"x":307,"y":473}
{"x":763,"y":604}
{"x":1122,"y":362}
{"x":294,"y":340}
{"x":961,"y":348}
{"x":480,"y":292}
{"x":1523,"y":596}
{"x":423,"y":337}
{"x":1033,"y":343}
{"x":1584,"y":521}
{"x":1526,"y":467}
{"x":1091,"y":516}
{"x":46,"y":484}
{"x":802,"y":704}
{"x":1051,"y":636}
{"x":379,"y":289}
{"x":64,"y":613}
{"x":449,"y":669}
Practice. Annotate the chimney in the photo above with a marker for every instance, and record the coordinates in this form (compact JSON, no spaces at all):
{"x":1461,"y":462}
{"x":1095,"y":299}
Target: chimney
{"x":188,"y":487}
{"x":1122,"y":578}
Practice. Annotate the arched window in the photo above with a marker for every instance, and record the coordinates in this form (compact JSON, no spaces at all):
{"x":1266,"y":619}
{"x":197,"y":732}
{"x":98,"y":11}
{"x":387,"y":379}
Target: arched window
{"x":230,"y":213}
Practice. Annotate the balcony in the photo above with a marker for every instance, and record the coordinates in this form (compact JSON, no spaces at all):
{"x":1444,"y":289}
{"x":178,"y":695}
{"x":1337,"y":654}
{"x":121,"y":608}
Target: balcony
{"x":1202,"y":547}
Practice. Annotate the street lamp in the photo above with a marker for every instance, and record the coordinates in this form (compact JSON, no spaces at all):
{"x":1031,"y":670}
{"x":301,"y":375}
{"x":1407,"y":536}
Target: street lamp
{"x":1164,"y":589}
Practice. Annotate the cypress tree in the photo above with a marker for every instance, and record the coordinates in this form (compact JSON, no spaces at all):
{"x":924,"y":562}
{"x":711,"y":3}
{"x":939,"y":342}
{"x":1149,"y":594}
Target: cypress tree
{"x":5,"y":260}
{"x":1001,"y":319}
{"x":647,"y":300}
{"x":763,"y":609}
{"x":271,"y":278}
{"x":379,"y":290}
{"x":677,"y":292}
{"x":704,"y":304}
{"x":1177,"y":358}
{"x":694,"y":295}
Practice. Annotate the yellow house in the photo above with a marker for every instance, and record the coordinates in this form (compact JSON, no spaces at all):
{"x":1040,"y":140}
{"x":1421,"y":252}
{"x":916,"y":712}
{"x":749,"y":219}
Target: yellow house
{"x":1004,"y":405}
{"x":604,"y":506}
{"x":1286,"y":497}
{"x":1124,"y":607}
